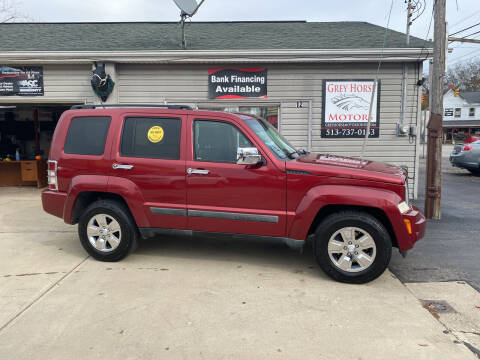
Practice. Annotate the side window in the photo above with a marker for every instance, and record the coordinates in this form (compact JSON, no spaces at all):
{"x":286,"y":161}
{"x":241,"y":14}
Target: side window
{"x":87,"y":136}
{"x":157,"y":138}
{"x":217,"y":141}
{"x":458,"y":112}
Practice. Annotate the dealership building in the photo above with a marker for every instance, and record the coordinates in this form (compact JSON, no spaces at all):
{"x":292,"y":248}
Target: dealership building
{"x":313,"y":81}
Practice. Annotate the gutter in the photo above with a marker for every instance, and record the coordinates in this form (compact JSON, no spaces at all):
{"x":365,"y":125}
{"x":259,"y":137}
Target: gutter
{"x":217,"y":56}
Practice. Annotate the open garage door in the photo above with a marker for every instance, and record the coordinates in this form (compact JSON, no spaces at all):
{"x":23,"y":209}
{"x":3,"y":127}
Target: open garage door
{"x":26,"y":132}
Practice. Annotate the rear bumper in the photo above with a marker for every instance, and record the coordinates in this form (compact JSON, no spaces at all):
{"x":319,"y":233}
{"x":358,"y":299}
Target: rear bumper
{"x":53,"y":202}
{"x":419,"y":224}
{"x":460,"y":160}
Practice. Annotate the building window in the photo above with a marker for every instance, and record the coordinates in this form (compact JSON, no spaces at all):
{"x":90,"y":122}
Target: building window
{"x":269,"y":113}
{"x":448,"y":112}
{"x":458,"y":112}
{"x":471,"y":112}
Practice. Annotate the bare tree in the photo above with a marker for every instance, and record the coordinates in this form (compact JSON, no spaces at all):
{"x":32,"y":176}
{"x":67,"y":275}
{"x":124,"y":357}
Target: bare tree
{"x":464,"y":76}
{"x":10,"y":11}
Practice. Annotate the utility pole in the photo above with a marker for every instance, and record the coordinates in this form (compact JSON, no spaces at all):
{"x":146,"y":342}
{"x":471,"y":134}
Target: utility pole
{"x":405,"y":65}
{"x":434,"y":145}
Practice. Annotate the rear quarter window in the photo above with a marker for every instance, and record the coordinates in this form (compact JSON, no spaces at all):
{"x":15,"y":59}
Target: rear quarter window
{"x":87,"y":135}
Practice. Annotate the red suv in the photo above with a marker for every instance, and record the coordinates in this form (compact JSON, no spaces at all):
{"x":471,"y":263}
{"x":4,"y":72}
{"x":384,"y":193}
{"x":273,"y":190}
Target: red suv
{"x":125,"y":172}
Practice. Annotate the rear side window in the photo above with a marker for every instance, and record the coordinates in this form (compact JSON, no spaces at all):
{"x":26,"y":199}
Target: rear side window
{"x":87,"y":136}
{"x":157,"y":138}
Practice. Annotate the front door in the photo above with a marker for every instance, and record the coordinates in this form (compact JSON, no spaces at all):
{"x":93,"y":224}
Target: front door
{"x":150,"y":154}
{"x":223,"y":196}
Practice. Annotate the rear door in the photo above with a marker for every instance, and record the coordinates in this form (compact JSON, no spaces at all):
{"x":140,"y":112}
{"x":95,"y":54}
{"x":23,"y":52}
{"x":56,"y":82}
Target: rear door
{"x":150,"y":154}
{"x":224,"y":196}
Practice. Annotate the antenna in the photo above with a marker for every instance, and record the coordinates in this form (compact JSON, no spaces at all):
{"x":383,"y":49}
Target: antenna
{"x":188,"y":9}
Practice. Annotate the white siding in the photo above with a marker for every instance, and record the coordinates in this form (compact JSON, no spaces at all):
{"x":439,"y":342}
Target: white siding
{"x":288,"y":84}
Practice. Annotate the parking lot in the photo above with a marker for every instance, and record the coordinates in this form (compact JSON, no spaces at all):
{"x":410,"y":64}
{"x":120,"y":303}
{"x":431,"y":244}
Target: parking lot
{"x":197,"y":298}
{"x":450,"y":250}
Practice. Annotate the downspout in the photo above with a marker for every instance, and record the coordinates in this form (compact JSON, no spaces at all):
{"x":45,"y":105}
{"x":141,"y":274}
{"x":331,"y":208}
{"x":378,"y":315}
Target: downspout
{"x":405,"y":76}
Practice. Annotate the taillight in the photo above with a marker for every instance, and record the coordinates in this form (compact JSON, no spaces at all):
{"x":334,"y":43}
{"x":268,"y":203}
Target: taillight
{"x":52,"y":175}
{"x":467,"y":147}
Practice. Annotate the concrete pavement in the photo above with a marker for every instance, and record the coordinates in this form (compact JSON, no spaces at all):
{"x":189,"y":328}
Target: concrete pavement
{"x":181,"y":298}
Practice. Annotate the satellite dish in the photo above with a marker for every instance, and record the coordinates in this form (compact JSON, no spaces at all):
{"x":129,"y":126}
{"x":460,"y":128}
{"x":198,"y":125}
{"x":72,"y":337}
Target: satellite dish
{"x":188,"y":7}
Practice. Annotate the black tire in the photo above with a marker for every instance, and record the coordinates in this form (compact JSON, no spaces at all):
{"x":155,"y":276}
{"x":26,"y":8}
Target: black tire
{"x":129,"y":230}
{"x":365,"y":222}
{"x":475,"y":172}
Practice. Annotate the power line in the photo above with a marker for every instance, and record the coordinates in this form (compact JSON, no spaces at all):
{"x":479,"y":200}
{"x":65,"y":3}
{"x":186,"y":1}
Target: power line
{"x":426,"y":35}
{"x":465,"y":56}
{"x":465,"y":18}
{"x":475,"y":33}
{"x":464,"y":29}
{"x":364,"y":145}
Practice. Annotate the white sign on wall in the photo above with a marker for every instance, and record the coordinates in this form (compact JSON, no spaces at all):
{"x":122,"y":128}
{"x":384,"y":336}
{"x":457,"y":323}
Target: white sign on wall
{"x":346,"y":105}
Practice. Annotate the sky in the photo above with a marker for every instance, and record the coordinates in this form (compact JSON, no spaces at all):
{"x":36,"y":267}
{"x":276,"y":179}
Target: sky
{"x":460,"y":14}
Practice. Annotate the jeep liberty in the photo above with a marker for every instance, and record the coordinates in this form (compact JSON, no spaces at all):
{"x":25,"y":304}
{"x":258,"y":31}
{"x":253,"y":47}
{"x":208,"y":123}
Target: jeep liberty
{"x":129,"y":172}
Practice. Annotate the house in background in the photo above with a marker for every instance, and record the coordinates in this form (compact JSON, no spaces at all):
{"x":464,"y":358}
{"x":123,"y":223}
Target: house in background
{"x":461,"y":115}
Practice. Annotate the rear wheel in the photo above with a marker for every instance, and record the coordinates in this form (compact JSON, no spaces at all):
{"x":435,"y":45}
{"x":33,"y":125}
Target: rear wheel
{"x":107,"y":230}
{"x":352,"y":247}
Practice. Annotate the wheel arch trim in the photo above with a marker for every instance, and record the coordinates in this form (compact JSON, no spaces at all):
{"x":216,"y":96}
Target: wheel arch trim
{"x":323,"y":196}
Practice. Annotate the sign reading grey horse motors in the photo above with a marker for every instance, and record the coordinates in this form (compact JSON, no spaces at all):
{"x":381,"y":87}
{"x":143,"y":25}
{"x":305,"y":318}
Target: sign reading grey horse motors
{"x":346,"y":104}
{"x":230,"y":83}
{"x":21,"y":81}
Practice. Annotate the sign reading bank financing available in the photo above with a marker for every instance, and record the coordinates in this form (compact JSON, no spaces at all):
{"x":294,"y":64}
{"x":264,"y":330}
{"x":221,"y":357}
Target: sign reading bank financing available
{"x":233,"y":83}
{"x":346,"y":104}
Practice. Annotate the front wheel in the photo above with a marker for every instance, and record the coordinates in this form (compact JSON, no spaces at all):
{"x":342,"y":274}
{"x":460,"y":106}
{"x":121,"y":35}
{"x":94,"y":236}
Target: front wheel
{"x":475,"y":172}
{"x":107,"y":230}
{"x":352,"y":247}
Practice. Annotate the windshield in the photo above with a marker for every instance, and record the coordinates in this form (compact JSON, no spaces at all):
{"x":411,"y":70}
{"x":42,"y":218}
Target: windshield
{"x":277,"y":144}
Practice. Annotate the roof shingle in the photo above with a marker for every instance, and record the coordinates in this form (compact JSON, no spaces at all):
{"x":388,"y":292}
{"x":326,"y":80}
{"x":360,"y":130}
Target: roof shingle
{"x":200,"y":36}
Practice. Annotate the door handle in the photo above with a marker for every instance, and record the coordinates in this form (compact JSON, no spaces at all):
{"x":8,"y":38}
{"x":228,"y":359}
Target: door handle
{"x":197,"y":171}
{"x":124,"y":167}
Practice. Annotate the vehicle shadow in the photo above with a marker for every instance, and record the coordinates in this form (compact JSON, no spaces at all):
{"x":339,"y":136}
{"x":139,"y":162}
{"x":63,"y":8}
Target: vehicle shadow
{"x":258,"y":252}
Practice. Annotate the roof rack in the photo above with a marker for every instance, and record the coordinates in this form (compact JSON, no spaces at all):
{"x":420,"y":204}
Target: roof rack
{"x":166,"y":106}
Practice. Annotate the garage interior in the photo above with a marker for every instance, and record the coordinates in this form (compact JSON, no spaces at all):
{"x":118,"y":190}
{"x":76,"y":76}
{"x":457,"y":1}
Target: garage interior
{"x":26,"y":132}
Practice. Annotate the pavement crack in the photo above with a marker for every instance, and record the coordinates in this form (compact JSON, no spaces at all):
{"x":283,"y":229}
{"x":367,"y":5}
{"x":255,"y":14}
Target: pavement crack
{"x":33,"y":274}
{"x":469,"y":332}
{"x":39,"y":297}
{"x":470,"y":347}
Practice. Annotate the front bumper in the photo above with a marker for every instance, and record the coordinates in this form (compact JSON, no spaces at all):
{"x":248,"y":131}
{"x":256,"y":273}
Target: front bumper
{"x":418,"y":225}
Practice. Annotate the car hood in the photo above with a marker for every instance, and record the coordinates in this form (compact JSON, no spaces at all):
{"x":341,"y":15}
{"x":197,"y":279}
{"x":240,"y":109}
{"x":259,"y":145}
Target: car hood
{"x":347,"y":167}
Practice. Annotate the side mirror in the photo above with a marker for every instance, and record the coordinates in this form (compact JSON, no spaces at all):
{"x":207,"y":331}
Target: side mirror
{"x":248,"y":156}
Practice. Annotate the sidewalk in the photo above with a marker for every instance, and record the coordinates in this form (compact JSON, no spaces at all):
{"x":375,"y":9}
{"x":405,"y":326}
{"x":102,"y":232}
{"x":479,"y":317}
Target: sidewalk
{"x":191,"y":298}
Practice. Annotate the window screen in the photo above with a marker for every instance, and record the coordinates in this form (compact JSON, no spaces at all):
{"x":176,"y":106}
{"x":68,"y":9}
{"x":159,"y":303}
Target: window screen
{"x":87,"y":135}
{"x":217,"y":141}
{"x":157,"y":138}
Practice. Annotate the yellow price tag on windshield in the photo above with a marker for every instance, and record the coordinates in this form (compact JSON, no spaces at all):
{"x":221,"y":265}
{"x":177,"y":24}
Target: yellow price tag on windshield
{"x":155,"y":134}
